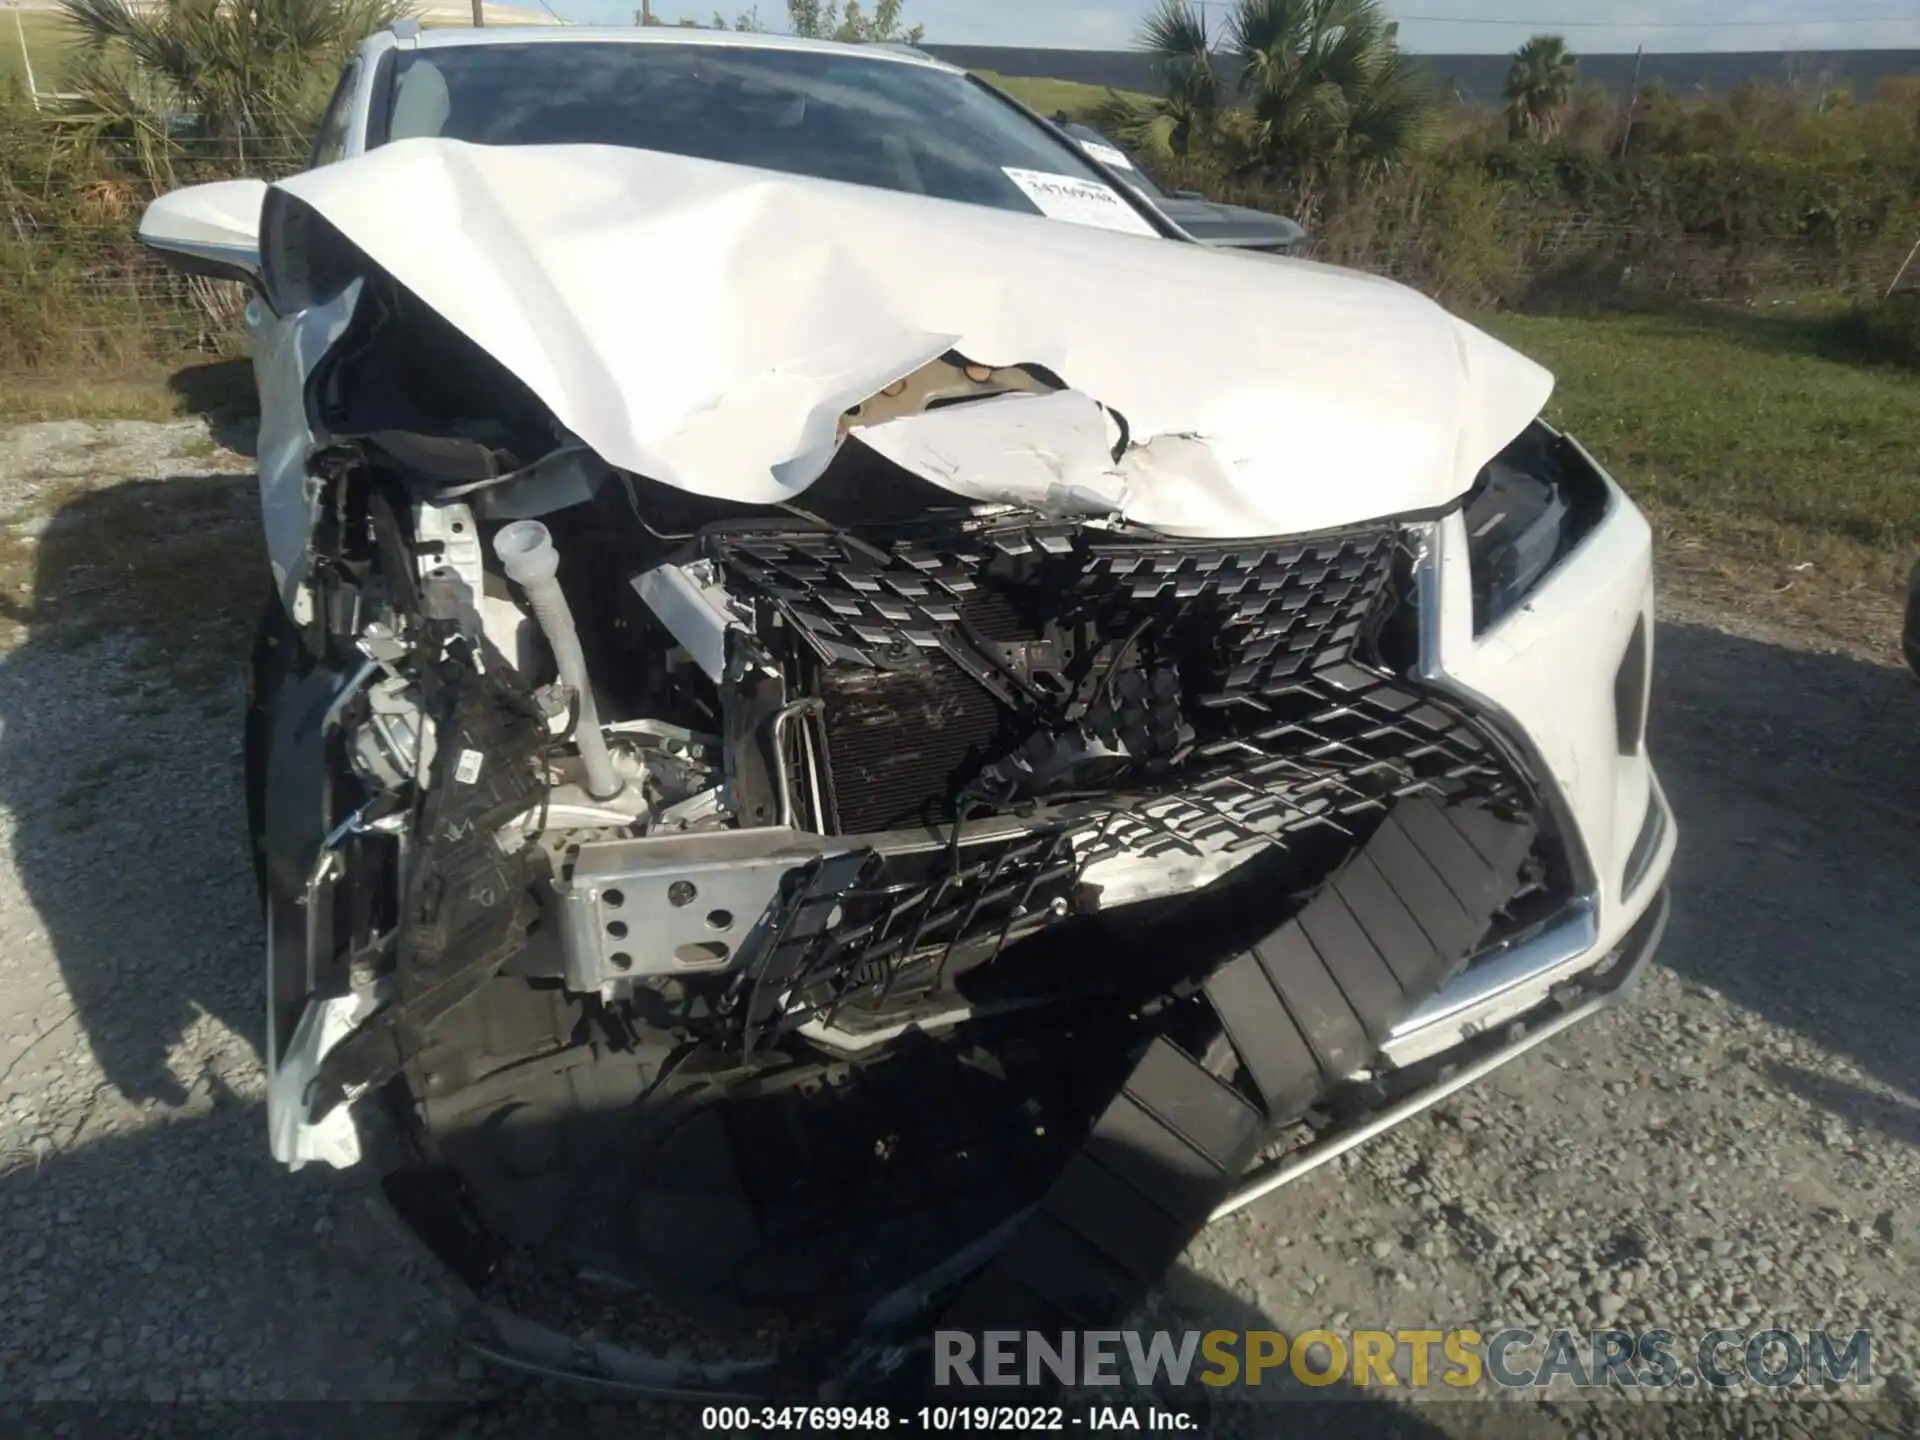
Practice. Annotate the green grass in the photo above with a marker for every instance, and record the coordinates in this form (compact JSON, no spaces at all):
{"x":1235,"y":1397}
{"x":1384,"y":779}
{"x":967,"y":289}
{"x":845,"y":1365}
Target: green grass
{"x":1050,"y":96}
{"x":222,"y":390}
{"x":1781,"y":474}
{"x":48,"y":43}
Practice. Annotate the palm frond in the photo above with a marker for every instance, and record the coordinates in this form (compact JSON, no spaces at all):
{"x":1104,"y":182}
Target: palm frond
{"x":1175,"y":32}
{"x":1324,"y":83}
{"x":1177,"y":39}
{"x":1143,"y":127}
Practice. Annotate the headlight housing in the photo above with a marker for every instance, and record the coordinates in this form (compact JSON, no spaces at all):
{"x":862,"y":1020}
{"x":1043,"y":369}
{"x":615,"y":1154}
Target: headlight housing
{"x":1528,"y":508}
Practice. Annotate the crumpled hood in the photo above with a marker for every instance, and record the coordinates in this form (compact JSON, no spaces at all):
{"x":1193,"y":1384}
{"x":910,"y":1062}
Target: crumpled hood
{"x":707,"y":325}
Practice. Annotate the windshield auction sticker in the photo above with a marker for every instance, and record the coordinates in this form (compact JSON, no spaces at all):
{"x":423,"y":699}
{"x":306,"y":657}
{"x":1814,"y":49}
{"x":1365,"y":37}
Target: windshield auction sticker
{"x":1082,"y":202}
{"x":1107,"y":155}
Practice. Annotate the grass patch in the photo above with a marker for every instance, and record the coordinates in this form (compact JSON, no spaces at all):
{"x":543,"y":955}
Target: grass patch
{"x":222,"y":390}
{"x":49,"y":45}
{"x":1051,"y":96}
{"x":1782,"y":479}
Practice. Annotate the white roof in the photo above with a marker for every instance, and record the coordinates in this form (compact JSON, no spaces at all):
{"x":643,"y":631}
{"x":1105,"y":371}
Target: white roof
{"x":518,"y":34}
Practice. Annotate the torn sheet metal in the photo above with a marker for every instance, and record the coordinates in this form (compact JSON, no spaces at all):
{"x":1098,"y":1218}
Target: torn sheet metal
{"x":1054,"y":454}
{"x":707,"y":325}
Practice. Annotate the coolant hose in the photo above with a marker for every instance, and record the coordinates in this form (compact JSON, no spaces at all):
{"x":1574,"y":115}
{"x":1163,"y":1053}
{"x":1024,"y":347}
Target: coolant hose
{"x":526,"y":551}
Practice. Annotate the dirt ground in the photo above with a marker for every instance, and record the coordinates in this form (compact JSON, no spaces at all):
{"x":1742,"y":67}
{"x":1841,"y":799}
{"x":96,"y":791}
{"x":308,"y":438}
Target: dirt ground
{"x":1739,"y":1144}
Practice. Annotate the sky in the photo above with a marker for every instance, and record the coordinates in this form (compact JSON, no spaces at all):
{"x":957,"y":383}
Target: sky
{"x":1432,"y":26}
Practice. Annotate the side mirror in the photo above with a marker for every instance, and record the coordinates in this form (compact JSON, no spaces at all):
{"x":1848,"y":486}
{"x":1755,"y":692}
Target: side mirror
{"x":211,"y":230}
{"x":1187,"y":195}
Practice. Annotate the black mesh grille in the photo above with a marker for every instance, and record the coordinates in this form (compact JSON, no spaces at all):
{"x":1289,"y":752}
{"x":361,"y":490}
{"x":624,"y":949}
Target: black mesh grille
{"x":1275,"y":603}
{"x":1288,"y":728}
{"x":1268,"y":644}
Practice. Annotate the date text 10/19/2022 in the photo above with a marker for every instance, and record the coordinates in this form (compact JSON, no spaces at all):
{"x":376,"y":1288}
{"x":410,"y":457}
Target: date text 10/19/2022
{"x":940,"y":1419}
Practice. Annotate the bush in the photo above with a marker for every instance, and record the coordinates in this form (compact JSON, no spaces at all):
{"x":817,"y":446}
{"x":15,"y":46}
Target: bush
{"x":1753,"y":194}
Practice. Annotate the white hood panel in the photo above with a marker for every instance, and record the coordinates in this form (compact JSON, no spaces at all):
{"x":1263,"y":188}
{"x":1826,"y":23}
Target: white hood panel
{"x":707,"y":325}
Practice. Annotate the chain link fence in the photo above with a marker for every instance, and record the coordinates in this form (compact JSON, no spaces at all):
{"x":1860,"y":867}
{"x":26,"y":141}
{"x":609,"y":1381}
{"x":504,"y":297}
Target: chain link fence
{"x":77,"y":289}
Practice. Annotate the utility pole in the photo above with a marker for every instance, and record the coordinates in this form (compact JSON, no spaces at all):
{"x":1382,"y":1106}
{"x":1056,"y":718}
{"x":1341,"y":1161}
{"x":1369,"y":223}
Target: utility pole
{"x":1633,"y":98}
{"x":479,"y":12}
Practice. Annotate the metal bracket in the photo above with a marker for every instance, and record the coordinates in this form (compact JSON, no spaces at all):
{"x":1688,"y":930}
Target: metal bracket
{"x":674,"y":904}
{"x":449,"y":544}
{"x":696,"y":609}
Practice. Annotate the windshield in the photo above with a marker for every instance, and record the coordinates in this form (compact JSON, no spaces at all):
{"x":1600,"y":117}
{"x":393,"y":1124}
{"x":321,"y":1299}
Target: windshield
{"x":876,"y":122}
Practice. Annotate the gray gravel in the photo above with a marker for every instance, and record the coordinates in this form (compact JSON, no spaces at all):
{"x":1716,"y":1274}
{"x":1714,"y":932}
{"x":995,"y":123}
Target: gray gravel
{"x":1740,"y":1144}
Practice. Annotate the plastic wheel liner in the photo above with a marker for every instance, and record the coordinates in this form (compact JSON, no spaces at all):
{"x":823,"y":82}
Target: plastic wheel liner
{"x":1112,"y":699}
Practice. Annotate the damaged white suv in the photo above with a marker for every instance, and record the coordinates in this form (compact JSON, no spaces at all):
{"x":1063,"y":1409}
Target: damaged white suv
{"x":850,"y":723}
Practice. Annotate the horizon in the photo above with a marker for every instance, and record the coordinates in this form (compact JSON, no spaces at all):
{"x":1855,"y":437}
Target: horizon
{"x":1427,"y":27}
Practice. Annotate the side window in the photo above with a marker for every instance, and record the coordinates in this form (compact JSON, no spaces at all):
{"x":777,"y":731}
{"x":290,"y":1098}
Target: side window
{"x":331,"y":143}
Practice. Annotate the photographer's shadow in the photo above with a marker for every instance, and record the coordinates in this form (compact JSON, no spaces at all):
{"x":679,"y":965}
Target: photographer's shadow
{"x":128,"y":610}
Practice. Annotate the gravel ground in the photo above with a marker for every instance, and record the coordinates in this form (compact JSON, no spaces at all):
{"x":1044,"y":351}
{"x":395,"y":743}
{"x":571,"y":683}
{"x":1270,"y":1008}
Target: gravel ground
{"x":1739,"y":1144}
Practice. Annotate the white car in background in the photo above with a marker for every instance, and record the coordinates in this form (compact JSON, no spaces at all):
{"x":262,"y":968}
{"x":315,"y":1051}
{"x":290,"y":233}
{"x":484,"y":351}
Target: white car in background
{"x":845,"y":713}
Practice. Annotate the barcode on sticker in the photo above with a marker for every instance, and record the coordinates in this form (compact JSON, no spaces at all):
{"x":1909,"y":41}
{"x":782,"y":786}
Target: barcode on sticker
{"x":1079,"y":201}
{"x":467,"y":769}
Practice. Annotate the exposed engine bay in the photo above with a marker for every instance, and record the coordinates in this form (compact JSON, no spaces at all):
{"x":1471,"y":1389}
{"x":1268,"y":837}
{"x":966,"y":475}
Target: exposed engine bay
{"x":780,"y":905}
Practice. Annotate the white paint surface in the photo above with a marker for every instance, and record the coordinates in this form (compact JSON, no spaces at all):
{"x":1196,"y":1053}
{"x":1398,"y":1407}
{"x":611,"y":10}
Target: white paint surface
{"x":707,"y":325}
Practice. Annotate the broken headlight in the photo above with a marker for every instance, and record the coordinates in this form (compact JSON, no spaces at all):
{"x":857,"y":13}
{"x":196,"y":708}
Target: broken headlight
{"x":1528,"y":508}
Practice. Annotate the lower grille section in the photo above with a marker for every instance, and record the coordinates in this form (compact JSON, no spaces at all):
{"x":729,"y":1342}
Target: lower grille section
{"x":1300,"y":1010}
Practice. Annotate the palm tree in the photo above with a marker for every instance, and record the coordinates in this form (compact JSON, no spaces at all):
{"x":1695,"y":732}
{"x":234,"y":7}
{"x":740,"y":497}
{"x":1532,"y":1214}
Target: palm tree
{"x":1183,"y":54}
{"x":229,"y":73}
{"x":1539,"y":87}
{"x":1323,"y":81}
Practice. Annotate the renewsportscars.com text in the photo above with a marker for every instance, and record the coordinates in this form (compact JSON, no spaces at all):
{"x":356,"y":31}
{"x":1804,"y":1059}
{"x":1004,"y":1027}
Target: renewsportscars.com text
{"x":1510,"y":1358}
